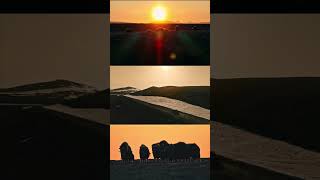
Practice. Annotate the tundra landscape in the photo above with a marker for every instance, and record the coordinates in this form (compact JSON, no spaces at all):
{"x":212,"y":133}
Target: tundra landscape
{"x":170,"y":161}
{"x":52,"y":122}
{"x":161,"y":105}
{"x":162,"y":44}
{"x":275,"y":131}
{"x":165,"y":94}
{"x":160,"y":152}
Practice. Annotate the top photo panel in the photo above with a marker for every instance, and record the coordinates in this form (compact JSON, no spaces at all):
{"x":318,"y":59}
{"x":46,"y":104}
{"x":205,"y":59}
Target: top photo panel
{"x":160,"y":32}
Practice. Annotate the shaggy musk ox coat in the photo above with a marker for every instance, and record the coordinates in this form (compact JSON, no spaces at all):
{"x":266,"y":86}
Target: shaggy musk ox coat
{"x":144,"y":152}
{"x":126,"y":152}
{"x":180,"y":150}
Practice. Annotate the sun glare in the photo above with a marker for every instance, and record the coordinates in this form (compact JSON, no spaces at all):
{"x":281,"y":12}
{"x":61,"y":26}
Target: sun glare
{"x":165,"y":68}
{"x":159,"y":13}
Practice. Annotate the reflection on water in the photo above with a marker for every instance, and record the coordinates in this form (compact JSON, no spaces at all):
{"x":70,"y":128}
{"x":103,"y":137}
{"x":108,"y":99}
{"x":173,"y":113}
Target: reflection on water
{"x":175,"y":105}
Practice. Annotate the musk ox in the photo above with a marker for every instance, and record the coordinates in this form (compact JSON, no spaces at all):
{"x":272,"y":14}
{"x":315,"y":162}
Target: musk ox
{"x":144,"y":152}
{"x":126,"y":152}
{"x":158,"y":149}
{"x":180,"y":150}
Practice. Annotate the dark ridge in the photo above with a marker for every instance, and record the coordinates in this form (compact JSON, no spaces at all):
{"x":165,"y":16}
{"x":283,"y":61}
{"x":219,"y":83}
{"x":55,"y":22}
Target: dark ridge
{"x":59,"y":83}
{"x":285,"y":109}
{"x":118,"y":26}
{"x":123,"y":88}
{"x":196,"y":95}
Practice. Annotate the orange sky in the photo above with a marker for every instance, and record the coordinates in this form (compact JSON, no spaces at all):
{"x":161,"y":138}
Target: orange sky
{"x":177,"y":11}
{"x":136,"y":135}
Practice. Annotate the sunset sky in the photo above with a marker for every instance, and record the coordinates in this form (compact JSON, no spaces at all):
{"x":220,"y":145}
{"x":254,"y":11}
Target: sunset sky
{"x":175,"y":11}
{"x":142,"y":77}
{"x":136,"y":135}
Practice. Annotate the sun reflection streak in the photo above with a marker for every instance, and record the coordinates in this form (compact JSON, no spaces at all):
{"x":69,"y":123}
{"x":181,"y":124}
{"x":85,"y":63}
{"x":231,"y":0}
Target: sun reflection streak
{"x":159,"y":46}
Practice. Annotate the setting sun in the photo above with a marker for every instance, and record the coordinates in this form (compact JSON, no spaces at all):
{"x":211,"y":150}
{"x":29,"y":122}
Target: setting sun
{"x":159,"y":13}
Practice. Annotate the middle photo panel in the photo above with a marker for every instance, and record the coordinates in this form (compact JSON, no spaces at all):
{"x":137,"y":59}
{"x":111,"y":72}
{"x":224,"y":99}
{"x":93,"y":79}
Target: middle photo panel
{"x":160,"y":94}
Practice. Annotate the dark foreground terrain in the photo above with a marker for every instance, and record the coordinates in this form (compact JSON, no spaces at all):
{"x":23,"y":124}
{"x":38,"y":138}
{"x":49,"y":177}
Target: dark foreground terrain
{"x":158,"y":170}
{"x":286,"y":109}
{"x":125,"y":110}
{"x":41,"y":144}
{"x":150,"y":44}
{"x":223,"y":168}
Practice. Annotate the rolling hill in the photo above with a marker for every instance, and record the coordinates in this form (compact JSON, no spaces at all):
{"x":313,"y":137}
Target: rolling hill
{"x":196,"y":95}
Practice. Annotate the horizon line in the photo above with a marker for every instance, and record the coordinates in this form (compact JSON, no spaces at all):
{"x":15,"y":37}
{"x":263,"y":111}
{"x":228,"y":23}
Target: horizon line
{"x":123,"y":22}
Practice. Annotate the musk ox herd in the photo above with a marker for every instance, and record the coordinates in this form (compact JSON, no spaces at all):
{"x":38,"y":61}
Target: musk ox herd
{"x":163,"y":151}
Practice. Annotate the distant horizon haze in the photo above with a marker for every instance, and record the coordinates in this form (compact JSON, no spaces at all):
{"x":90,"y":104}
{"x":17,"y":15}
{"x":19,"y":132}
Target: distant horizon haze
{"x":142,"y":77}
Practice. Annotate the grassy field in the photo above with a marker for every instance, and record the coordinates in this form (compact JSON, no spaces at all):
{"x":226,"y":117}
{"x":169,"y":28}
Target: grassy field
{"x":135,"y":44}
{"x":195,"y":170}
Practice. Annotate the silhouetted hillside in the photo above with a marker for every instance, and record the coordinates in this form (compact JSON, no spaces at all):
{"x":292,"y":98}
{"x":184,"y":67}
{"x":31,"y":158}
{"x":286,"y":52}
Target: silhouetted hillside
{"x":138,"y":27}
{"x":51,"y":92}
{"x":280,"y":108}
{"x":124,"y":90}
{"x":196,"y":95}
{"x":59,"y":83}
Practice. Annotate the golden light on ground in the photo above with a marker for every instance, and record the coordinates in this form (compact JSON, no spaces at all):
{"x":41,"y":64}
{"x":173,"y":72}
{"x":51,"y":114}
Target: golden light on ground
{"x":135,"y":135}
{"x":159,"y":14}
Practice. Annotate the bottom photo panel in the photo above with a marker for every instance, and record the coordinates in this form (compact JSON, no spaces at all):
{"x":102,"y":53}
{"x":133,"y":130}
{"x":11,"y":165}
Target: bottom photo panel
{"x":160,"y":152}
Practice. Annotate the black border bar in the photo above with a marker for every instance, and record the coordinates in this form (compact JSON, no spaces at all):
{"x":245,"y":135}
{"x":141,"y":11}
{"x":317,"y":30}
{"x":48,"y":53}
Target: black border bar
{"x":103,"y":6}
{"x":265,"y":6}
{"x":54,"y":6}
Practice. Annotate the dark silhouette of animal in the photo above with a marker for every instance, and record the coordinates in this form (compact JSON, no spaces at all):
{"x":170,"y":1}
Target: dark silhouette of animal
{"x":144,"y":152}
{"x":165,"y":151}
{"x":156,"y":151}
{"x":126,"y":152}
